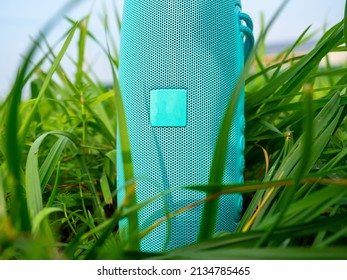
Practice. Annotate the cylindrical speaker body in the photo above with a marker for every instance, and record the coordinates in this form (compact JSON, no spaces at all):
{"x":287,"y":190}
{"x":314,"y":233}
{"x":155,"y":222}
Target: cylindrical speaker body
{"x":179,"y":63}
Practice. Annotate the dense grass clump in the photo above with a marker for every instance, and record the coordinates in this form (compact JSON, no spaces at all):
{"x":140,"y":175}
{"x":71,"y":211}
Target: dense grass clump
{"x":58,"y":147}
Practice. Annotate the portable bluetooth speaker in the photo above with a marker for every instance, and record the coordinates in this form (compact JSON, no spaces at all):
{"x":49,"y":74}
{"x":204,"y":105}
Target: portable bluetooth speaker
{"x":179,"y":63}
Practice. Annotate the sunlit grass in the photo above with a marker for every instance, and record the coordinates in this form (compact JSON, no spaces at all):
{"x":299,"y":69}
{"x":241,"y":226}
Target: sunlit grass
{"x":57,"y":159}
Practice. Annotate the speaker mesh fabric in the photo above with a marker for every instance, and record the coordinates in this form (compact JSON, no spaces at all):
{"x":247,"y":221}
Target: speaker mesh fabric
{"x":194,"y":45}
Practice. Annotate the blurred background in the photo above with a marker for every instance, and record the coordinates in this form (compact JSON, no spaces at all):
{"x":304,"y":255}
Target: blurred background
{"x":21,"y":21}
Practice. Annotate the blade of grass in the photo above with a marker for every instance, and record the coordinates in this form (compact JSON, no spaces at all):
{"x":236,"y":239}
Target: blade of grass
{"x":99,"y":211}
{"x":83,"y":27}
{"x":218,"y":190}
{"x":345,"y":24}
{"x":55,"y":188}
{"x":321,"y":122}
{"x":98,"y":103}
{"x":291,"y":164}
{"x":32,"y":177}
{"x":104,"y":236}
{"x":217,"y":168}
{"x":50,"y":163}
{"x":235,"y":241}
{"x":105,"y":188}
{"x":333,"y":238}
{"x":247,"y":218}
{"x":133,"y":226}
{"x":289,"y":193}
{"x":3,"y":210}
{"x":261,"y":254}
{"x":309,"y":208}
{"x":26,"y":123}
{"x":102,"y":97}
{"x":289,"y":51}
{"x":258,"y":74}
{"x":297,"y":75}
{"x":326,"y":170}
{"x":111,"y":155}
{"x":18,"y":211}
{"x":41,"y":216}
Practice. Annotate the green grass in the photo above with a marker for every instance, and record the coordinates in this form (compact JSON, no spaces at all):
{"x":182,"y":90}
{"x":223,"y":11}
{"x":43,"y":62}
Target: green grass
{"x":58,"y":147}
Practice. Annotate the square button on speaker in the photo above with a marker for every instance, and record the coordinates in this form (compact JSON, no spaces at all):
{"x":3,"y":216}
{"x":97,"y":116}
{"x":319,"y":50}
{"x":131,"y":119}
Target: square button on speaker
{"x":168,"y":107}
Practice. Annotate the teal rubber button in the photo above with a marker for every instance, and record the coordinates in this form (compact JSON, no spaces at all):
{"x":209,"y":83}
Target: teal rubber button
{"x":168,"y":107}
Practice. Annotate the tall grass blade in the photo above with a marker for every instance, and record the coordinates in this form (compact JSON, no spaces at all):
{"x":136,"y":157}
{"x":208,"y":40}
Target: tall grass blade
{"x":324,"y":124}
{"x":97,"y":205}
{"x":83,"y":27}
{"x":310,"y":207}
{"x":18,"y":212}
{"x":3,"y":210}
{"x":133,"y":242}
{"x":52,"y":159}
{"x":133,"y":229}
{"x":41,"y":216}
{"x":105,"y":184}
{"x":218,"y":162}
{"x":260,"y":254}
{"x":32,"y":177}
{"x":290,"y":50}
{"x":288,"y":194}
{"x":26,"y":124}
{"x":55,"y":188}
{"x":345,"y":24}
{"x":293,"y":78}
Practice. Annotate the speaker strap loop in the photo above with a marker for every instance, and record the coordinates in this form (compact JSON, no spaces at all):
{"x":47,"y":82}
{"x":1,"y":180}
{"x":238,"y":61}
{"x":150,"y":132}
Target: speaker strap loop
{"x":247,"y":30}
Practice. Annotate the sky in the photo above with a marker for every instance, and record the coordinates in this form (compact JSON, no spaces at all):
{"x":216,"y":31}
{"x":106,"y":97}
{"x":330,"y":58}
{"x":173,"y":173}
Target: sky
{"x":21,"y":20}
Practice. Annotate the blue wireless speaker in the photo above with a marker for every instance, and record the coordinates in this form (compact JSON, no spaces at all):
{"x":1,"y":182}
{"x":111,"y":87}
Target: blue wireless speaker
{"x":179,"y":63}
